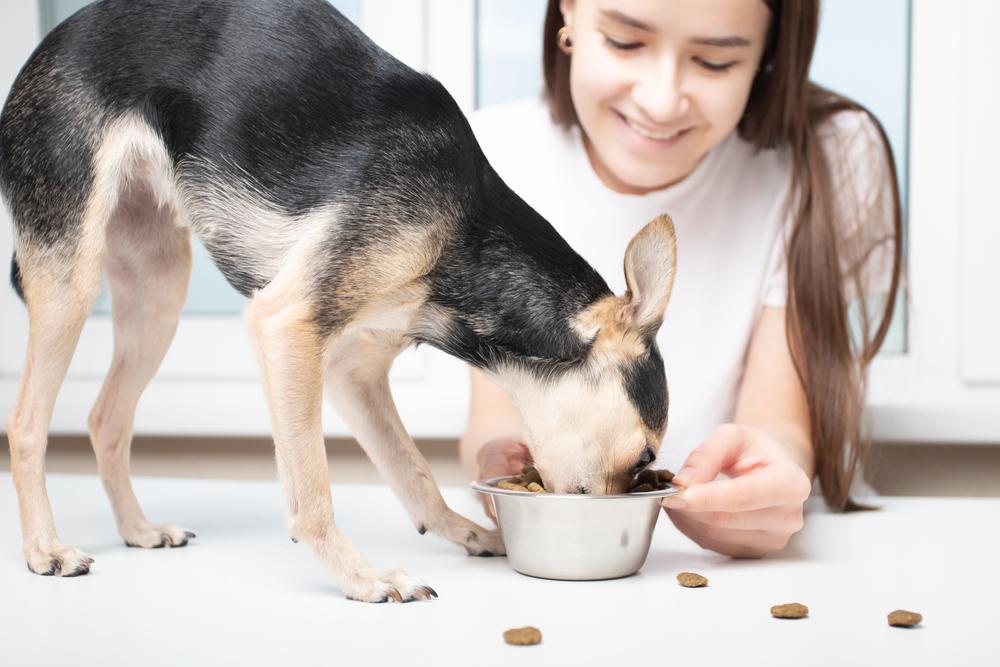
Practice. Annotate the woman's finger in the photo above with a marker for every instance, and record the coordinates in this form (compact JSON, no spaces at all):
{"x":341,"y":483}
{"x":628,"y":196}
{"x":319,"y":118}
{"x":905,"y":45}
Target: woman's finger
{"x":736,"y":543}
{"x":723,"y":447}
{"x":773,"y":485}
{"x":784,"y":519}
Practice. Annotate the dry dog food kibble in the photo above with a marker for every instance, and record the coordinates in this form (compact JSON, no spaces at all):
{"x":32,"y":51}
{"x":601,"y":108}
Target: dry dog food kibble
{"x":530,"y":474}
{"x":904,"y":619}
{"x":791,"y":610}
{"x":651,"y":480}
{"x":647,"y":476}
{"x":511,"y":486}
{"x":531,"y":481}
{"x":523,"y":636}
{"x":691,"y":580}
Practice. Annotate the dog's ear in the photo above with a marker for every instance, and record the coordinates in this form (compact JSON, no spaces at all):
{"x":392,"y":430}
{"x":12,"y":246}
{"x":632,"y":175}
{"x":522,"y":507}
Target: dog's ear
{"x":650,"y":260}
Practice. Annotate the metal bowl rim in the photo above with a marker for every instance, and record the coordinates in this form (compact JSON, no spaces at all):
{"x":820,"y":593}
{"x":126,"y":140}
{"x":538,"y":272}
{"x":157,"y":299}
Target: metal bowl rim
{"x":484,"y":486}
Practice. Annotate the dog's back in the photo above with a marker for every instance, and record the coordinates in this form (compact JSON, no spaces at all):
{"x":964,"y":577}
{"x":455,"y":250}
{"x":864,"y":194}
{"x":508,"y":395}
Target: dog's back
{"x":257,"y":120}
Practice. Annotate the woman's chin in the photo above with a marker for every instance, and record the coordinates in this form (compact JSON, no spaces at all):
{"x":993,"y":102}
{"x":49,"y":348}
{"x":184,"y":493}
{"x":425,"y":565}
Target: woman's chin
{"x":637,"y":180}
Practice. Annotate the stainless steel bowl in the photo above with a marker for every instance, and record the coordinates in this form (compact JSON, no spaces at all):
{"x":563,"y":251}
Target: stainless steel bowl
{"x":574,"y":536}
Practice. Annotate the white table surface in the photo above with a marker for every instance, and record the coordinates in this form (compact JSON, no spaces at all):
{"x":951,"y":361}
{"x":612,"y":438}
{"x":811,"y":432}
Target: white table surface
{"x":242,"y":593}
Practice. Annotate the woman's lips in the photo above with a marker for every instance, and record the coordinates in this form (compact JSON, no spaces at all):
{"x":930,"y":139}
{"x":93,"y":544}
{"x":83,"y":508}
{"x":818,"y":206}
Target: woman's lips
{"x":650,"y":137}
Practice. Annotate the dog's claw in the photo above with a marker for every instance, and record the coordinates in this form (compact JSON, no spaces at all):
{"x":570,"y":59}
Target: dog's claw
{"x":156,"y":536}
{"x":57,"y":560}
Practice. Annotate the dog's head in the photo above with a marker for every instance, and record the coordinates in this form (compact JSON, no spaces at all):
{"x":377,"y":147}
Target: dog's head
{"x":591,"y":428}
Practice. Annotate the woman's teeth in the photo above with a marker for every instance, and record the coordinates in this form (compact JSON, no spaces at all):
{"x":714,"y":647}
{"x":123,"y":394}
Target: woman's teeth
{"x":659,"y":136}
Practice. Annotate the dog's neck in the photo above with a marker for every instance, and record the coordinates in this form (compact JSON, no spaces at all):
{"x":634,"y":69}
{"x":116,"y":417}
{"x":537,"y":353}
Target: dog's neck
{"x":507,"y":287}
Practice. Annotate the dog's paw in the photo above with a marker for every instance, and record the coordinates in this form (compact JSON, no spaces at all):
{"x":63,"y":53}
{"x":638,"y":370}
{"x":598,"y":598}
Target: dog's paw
{"x":476,"y":540}
{"x":372,"y":585}
{"x":482,"y":542}
{"x":156,"y":535}
{"x":57,"y":559}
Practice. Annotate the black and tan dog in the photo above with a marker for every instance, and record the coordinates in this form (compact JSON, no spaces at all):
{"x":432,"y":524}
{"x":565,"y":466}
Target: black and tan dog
{"x":346,"y":195}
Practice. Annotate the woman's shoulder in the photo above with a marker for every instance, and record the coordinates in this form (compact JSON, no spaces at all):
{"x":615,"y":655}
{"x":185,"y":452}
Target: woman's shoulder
{"x":525,"y":147}
{"x":858,"y":156}
{"x":862,"y":181}
{"x":510,"y":131}
{"x":850,"y":128}
{"x":508,"y":118}
{"x":854,"y":148}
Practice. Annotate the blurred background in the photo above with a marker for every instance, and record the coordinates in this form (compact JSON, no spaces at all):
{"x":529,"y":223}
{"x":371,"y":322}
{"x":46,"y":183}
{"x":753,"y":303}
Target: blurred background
{"x":923,"y":67}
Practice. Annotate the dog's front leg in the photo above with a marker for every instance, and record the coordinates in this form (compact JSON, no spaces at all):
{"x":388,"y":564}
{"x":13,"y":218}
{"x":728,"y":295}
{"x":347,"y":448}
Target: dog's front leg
{"x":358,"y":386}
{"x":291,"y":360}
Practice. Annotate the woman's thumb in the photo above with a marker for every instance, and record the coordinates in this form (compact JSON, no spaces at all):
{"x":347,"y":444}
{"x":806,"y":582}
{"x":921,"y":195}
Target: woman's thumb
{"x":712,"y":456}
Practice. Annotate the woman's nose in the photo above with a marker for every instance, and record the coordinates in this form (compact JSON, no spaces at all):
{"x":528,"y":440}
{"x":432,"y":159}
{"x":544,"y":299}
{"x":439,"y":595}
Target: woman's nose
{"x":660,"y":96}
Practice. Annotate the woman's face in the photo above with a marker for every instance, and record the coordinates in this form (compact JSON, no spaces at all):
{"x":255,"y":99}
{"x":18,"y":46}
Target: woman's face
{"x":656,"y":84}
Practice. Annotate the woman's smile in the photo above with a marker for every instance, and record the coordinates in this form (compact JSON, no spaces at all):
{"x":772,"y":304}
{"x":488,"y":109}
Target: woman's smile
{"x":647,"y":137}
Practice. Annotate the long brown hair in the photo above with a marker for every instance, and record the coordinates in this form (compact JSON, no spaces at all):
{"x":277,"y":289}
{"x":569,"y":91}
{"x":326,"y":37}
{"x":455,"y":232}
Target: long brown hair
{"x":786,"y":109}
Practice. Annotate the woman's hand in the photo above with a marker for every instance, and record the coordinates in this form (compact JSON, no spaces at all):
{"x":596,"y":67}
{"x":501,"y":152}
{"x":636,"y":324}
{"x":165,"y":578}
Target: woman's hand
{"x":753,"y":512}
{"x":502,"y":457}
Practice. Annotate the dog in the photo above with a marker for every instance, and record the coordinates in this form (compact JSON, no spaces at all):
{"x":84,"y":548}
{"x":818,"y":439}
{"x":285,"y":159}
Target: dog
{"x":345,"y":194}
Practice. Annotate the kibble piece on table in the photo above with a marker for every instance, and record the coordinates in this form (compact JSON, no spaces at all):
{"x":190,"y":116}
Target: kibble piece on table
{"x":904,"y":619}
{"x":523,"y":636}
{"x":791,"y":610}
{"x":691,"y":580}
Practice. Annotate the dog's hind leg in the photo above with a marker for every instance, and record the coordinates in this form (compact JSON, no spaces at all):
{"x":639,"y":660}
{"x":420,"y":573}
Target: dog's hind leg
{"x":148,"y":265}
{"x":358,"y":385}
{"x":60,"y":286}
{"x":290,"y":351}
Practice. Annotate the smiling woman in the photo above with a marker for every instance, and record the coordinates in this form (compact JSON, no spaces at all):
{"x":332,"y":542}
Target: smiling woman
{"x":653,"y":95}
{"x":787,"y":212}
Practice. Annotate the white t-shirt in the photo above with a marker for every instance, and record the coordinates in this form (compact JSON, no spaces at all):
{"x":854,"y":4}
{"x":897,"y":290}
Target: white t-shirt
{"x":729,"y":215}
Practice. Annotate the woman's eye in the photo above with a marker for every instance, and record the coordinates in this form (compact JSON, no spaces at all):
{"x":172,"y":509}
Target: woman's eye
{"x":622,"y":46}
{"x":712,"y":66}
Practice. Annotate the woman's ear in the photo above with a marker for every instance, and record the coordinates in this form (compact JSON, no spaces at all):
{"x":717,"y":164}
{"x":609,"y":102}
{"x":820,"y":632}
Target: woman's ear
{"x":650,"y":263}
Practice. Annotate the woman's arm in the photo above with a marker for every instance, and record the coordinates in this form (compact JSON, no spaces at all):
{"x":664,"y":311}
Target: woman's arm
{"x":492,"y":445}
{"x":771,"y":397}
{"x":492,"y":416}
{"x":766,"y":455}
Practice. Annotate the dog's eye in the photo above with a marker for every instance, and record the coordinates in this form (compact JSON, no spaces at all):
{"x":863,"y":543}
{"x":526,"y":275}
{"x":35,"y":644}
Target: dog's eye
{"x":648,"y":456}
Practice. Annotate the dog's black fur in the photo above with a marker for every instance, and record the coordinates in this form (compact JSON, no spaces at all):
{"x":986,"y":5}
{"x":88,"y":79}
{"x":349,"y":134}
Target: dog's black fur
{"x":320,"y":116}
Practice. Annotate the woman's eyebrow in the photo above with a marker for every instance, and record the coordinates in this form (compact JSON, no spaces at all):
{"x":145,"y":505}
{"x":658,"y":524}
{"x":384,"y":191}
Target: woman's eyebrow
{"x":733,"y":41}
